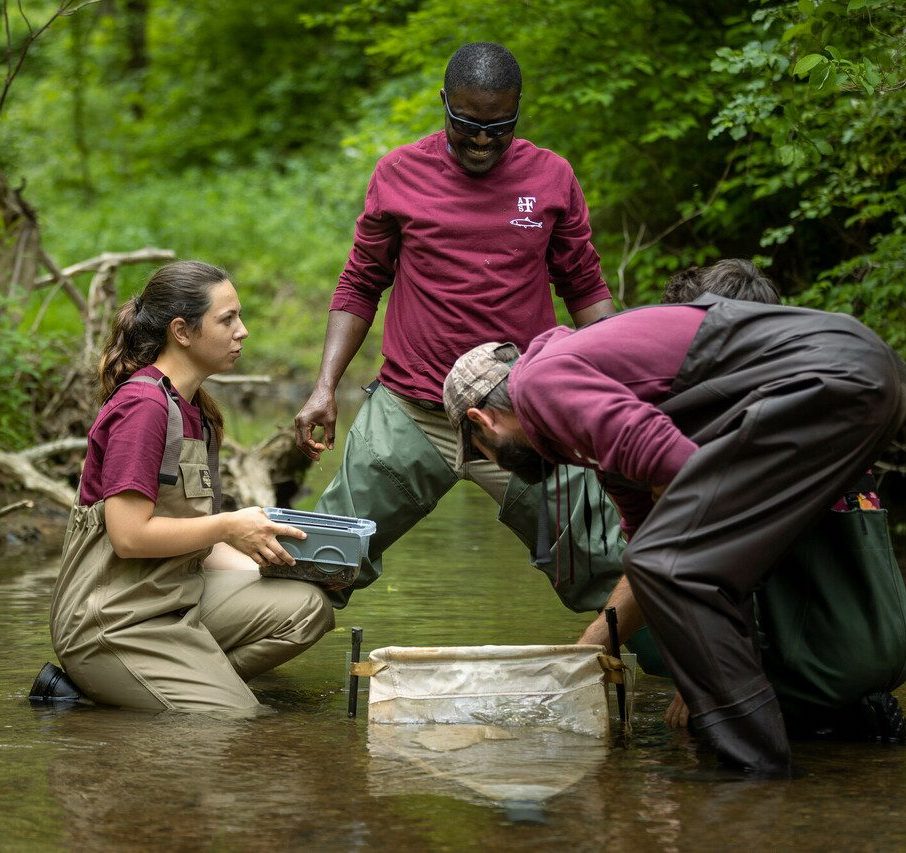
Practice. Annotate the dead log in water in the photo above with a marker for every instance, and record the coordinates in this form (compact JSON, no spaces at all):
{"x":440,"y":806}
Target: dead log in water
{"x":20,"y":468}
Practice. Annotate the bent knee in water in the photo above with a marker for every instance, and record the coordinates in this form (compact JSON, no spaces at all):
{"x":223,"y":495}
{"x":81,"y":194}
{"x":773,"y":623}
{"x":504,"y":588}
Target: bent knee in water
{"x":312,"y":614}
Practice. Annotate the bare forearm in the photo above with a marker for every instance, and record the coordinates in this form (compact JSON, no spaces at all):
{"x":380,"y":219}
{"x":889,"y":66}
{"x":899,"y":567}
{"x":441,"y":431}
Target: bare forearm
{"x":135,"y":532}
{"x":345,"y":333}
{"x":629,"y":614}
{"x":629,"y":617}
{"x":160,"y":536}
{"x":344,"y":337}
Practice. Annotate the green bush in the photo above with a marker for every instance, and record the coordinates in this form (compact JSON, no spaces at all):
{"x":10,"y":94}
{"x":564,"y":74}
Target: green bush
{"x":282,"y":236}
{"x":30,"y":368}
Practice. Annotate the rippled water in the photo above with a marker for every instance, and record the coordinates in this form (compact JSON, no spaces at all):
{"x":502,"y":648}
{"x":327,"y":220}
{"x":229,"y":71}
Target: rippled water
{"x":309,"y":778}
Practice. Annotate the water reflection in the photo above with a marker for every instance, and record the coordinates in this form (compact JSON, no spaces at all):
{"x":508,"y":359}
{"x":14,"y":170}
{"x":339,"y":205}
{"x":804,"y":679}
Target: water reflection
{"x":306,"y":777}
{"x":518,"y":769}
{"x":173,"y":780}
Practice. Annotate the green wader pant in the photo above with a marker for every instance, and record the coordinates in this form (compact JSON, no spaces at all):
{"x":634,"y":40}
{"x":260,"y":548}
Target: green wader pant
{"x":157,"y":634}
{"x":832,"y":617}
{"x":398,"y":462}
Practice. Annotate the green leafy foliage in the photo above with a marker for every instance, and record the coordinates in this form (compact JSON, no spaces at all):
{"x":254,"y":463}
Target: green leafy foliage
{"x":825,"y":152}
{"x":29,"y":369}
{"x":245,"y":134}
{"x":282,"y":236}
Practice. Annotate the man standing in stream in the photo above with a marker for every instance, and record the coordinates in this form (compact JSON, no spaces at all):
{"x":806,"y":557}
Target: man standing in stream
{"x":469,"y":226}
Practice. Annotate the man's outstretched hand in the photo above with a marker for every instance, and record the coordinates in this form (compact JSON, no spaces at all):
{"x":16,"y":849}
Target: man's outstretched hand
{"x":319,"y":411}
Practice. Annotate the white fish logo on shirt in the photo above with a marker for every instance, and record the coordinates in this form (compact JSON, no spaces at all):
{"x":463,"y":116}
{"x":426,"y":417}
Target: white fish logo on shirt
{"x":525,"y":204}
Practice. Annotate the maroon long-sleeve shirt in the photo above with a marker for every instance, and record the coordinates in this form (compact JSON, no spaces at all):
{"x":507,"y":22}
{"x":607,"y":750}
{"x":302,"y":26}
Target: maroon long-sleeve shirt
{"x":127,"y":440}
{"x":470,"y":257}
{"x":589,"y":397}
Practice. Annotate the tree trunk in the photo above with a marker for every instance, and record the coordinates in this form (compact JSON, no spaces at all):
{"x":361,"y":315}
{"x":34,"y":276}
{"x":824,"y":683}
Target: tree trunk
{"x":136,"y":15}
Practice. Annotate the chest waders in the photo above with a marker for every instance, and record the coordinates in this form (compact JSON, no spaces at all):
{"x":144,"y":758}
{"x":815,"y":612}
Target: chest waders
{"x":787,"y":412}
{"x":127,"y":630}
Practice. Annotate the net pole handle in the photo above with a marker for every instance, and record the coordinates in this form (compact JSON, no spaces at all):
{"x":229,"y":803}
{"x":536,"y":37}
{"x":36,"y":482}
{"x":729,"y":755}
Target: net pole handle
{"x":352,"y":707}
{"x":610,"y":614}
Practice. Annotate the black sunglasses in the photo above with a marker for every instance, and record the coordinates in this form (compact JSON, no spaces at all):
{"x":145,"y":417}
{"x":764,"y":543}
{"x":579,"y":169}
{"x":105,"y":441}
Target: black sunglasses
{"x":473,"y":128}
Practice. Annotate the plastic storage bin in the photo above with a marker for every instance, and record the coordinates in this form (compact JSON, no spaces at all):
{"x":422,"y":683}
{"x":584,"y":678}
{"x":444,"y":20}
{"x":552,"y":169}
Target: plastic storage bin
{"x":332,"y":552}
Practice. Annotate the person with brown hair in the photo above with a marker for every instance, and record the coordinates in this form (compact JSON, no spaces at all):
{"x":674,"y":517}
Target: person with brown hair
{"x":158,"y":604}
{"x":734,"y":278}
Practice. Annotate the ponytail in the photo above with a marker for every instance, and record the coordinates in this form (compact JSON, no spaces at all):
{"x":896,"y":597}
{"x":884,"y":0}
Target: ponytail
{"x":212,"y":412}
{"x":139,"y":332}
{"x":129,"y":347}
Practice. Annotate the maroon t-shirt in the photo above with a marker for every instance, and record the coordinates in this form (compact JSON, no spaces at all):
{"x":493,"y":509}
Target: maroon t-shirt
{"x":126,"y":441}
{"x":471,"y":257}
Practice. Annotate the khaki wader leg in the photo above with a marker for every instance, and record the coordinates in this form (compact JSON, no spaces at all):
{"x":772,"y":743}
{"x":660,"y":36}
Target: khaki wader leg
{"x":127,"y":631}
{"x":259,"y":622}
{"x":167,"y":665}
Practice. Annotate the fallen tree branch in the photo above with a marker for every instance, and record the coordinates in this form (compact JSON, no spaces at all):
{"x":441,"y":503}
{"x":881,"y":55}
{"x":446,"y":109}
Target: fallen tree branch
{"x":101,"y":307}
{"x":61,"y":445}
{"x":266,"y":474}
{"x":19,"y":467}
{"x":140,"y":256}
{"x":62,"y":392}
{"x":247,"y":476}
{"x":16,"y":506}
{"x":64,"y":280}
{"x":269,"y":473}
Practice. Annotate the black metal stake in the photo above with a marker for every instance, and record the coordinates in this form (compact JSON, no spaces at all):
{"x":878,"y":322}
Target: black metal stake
{"x":354,"y":679}
{"x":610,"y":614}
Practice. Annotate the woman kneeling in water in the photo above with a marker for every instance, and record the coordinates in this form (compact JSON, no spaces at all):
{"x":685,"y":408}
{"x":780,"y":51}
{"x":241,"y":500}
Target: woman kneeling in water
{"x":159,"y":604}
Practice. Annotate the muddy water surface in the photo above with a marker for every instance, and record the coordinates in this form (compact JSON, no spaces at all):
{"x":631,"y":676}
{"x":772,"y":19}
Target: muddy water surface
{"x":308,"y":778}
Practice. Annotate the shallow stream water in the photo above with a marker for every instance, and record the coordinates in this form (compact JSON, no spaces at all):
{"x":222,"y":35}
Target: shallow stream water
{"x":309,"y":778}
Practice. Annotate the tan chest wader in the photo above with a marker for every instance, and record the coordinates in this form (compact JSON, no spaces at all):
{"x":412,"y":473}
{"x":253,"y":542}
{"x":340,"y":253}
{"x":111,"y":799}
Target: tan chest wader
{"x":128,"y":631}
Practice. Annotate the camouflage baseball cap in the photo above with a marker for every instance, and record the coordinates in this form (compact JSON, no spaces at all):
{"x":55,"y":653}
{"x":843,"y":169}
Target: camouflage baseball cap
{"x":474,"y":375}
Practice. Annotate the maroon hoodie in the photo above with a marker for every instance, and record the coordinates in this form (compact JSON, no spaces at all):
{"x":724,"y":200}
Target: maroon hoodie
{"x":589,"y":397}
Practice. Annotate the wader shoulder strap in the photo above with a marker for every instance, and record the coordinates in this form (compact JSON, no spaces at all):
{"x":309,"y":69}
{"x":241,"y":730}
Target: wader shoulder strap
{"x":542,"y":556}
{"x":169,"y":466}
{"x":213,"y":461}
